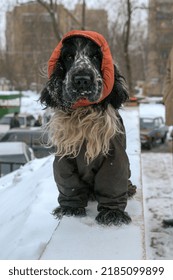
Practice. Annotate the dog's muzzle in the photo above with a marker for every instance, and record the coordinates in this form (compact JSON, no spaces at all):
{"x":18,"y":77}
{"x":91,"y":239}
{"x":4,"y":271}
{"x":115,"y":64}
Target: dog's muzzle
{"x":83,"y":84}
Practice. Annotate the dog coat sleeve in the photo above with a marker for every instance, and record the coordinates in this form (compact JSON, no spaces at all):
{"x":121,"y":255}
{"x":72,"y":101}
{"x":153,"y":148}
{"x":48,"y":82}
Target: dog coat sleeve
{"x":73,"y":192}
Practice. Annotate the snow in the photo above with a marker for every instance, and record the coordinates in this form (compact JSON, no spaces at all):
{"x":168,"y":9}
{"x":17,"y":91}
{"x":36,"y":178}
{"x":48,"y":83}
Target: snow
{"x":100,"y":242}
{"x":158,"y":192}
{"x":152,"y":109}
{"x":11,"y":148}
{"x":30,"y":104}
{"x":27,"y":199}
{"x":28,"y":195}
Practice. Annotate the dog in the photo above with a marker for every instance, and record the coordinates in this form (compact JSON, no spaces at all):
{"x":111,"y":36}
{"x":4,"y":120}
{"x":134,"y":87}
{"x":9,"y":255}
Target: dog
{"x":86,"y":89}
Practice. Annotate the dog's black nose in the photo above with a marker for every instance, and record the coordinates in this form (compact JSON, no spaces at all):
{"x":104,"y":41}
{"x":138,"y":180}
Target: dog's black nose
{"x":82,"y":82}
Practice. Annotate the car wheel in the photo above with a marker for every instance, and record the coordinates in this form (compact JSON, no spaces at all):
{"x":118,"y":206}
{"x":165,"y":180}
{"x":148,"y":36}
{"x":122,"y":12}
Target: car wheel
{"x":163,"y":139}
{"x":149,"y":145}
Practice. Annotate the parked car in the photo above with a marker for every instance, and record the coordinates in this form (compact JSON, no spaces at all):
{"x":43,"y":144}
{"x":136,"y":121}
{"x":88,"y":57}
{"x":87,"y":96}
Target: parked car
{"x":33,"y":137}
{"x":13,"y":155}
{"x":152,"y":129}
{"x":26,"y":120}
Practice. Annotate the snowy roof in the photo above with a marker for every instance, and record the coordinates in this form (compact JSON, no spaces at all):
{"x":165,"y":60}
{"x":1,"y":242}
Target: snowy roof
{"x":11,"y":148}
{"x":4,"y":93}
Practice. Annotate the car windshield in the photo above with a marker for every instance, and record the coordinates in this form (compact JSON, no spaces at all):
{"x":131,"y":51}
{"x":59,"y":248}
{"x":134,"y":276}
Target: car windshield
{"x":5,"y":120}
{"x":31,"y":138}
{"x":20,"y":137}
{"x":39,"y":138}
{"x":18,"y":158}
{"x":146,"y":123}
{"x":21,"y":120}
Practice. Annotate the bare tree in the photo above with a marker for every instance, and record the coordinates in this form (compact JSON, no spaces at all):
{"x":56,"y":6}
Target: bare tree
{"x":125,"y":41}
{"x":52,"y":7}
{"x":83,"y":15}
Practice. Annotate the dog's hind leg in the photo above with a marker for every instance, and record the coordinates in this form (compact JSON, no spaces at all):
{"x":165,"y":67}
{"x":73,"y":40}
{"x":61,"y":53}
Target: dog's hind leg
{"x":111,"y":186}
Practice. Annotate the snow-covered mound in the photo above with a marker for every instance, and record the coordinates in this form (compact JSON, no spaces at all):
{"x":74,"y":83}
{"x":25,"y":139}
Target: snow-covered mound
{"x":30,"y":103}
{"x":27,"y":197}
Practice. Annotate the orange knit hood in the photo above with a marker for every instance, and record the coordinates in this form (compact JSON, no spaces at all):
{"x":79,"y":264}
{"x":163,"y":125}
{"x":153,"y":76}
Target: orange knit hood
{"x":107,"y":66}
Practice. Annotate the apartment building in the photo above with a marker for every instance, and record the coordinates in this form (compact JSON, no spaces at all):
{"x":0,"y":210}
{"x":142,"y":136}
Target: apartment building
{"x":160,"y":42}
{"x":31,"y":38}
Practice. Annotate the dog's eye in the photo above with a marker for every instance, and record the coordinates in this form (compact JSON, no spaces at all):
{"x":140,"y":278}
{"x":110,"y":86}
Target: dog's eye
{"x":69,"y":57}
{"x":95,"y":56}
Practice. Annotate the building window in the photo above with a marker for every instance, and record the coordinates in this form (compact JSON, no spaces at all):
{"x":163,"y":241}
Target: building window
{"x":166,"y":16}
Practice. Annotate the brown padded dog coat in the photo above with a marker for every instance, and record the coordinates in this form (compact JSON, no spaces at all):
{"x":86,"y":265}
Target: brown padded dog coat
{"x":107,"y":66}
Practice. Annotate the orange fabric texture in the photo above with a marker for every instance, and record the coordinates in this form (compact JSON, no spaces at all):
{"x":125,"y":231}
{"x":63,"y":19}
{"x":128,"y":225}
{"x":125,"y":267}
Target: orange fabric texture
{"x":107,"y":67}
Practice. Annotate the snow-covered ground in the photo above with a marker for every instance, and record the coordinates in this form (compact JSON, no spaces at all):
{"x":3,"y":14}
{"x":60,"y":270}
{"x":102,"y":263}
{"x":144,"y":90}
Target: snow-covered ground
{"x":157,"y":180}
{"x":157,"y":171}
{"x":28,"y":195}
{"x":30,"y":104}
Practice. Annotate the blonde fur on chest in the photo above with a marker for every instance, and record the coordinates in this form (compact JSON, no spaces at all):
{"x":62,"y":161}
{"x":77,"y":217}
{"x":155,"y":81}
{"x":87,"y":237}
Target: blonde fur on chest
{"x":69,"y":130}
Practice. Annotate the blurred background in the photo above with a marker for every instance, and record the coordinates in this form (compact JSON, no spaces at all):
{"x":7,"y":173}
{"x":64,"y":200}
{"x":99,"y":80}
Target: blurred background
{"x":139,"y":33}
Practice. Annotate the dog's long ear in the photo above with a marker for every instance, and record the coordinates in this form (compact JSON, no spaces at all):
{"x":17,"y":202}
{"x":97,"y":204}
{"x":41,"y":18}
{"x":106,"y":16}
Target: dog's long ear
{"x":45,"y":97}
{"x":50,"y":96}
{"x":119,"y":93}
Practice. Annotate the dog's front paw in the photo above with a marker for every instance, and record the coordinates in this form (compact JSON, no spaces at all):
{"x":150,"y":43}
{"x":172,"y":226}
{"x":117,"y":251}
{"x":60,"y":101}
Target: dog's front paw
{"x":68,"y":211}
{"x":113,"y":217}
